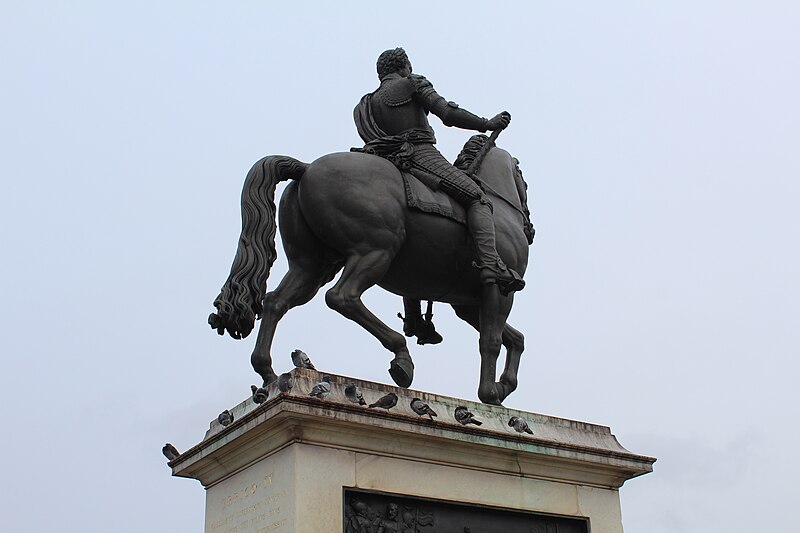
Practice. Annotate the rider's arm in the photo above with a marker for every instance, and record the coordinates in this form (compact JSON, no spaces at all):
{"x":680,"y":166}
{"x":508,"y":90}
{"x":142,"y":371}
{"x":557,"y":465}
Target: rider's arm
{"x":449,"y":112}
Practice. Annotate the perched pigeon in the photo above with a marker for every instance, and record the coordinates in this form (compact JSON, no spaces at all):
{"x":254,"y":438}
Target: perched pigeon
{"x":465,"y":417}
{"x":285,"y":382}
{"x":422,"y":408}
{"x":225,"y":418}
{"x":386,"y":402}
{"x":260,"y":394}
{"x":301,"y":360}
{"x":519,"y":425}
{"x":170,"y":451}
{"x":354,"y":394}
{"x":321,"y":389}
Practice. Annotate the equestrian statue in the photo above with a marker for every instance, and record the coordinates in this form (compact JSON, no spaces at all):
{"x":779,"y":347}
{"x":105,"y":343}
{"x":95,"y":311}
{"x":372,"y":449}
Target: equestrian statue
{"x":394,"y":213}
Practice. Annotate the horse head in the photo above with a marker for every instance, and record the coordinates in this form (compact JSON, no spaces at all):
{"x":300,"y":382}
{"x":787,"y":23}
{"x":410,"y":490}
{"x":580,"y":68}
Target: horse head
{"x":500,"y":176}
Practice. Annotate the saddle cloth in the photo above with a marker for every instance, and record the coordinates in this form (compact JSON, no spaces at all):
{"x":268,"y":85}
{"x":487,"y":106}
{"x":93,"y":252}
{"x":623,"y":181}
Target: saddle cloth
{"x":423,"y":197}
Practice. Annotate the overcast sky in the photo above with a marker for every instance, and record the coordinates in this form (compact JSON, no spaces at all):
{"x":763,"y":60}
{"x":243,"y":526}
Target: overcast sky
{"x":661,"y":142}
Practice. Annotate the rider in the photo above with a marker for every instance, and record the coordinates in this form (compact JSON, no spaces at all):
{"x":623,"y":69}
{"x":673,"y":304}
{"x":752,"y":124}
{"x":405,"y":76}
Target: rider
{"x":393,"y":123}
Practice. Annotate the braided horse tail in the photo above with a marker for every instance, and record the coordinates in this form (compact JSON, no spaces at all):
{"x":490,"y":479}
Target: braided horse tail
{"x":240,"y":300}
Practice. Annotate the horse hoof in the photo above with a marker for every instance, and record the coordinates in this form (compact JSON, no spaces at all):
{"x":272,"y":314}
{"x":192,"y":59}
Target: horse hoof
{"x":504,"y":389}
{"x":429,"y":337}
{"x":260,"y":394}
{"x":490,"y":395}
{"x":402,"y":371}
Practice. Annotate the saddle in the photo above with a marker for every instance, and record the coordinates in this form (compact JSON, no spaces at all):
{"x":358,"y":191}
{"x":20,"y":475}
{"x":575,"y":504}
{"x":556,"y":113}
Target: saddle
{"x":423,"y":197}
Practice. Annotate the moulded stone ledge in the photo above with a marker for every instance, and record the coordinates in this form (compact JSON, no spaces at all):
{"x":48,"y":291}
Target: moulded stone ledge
{"x":559,"y":450}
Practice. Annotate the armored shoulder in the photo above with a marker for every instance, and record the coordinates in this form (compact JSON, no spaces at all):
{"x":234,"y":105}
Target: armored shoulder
{"x":396,"y":92}
{"x":424,"y":90}
{"x":421,"y":81}
{"x":430,"y":99}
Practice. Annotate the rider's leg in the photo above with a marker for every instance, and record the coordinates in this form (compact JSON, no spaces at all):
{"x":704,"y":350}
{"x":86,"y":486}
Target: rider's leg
{"x":412,"y":308}
{"x":463,"y":188}
{"x":493,"y":269}
{"x":481,"y":225}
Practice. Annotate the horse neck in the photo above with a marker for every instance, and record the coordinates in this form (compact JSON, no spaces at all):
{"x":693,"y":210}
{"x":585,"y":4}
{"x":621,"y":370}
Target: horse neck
{"x":498,"y":171}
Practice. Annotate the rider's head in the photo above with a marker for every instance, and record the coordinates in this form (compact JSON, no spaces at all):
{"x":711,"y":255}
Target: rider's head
{"x":392,"y":61}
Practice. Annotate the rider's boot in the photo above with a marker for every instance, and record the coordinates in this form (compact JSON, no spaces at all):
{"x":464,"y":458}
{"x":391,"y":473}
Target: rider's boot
{"x":493,"y":269}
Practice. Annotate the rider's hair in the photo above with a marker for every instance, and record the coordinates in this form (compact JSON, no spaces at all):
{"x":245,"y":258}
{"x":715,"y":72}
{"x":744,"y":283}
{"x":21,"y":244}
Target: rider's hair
{"x":391,"y":61}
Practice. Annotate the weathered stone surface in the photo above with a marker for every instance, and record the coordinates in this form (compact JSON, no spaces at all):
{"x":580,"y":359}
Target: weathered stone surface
{"x":294,"y":445}
{"x":259,"y":498}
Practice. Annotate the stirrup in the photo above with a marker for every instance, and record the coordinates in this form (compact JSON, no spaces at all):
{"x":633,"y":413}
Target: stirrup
{"x":507,"y":279}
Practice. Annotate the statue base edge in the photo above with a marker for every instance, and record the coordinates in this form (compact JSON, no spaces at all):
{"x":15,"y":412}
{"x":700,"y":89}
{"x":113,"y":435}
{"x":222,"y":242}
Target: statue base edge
{"x":284,"y":466}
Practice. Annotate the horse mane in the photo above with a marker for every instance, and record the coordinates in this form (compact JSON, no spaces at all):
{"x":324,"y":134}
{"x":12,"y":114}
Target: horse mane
{"x":470,"y":151}
{"x":471,"y":148}
{"x":522,"y":190}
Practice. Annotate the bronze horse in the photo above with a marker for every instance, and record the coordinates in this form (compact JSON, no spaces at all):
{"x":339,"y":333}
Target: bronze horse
{"x":348,"y":211}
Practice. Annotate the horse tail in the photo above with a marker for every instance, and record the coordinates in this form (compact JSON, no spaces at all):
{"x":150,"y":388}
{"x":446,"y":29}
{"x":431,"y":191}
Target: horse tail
{"x":240,"y":301}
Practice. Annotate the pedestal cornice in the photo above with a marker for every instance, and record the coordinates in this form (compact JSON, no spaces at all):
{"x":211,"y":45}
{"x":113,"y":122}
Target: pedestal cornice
{"x":559,"y":450}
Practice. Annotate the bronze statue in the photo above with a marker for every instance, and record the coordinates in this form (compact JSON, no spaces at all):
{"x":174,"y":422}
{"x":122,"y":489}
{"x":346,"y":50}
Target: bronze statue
{"x":395,"y":115}
{"x":349,"y":212}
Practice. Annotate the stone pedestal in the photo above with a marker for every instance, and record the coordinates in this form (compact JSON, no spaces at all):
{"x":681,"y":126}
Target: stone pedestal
{"x":301,"y":464}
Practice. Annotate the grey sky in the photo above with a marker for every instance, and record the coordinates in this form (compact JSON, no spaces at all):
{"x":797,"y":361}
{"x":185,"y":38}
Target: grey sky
{"x":660,"y":141}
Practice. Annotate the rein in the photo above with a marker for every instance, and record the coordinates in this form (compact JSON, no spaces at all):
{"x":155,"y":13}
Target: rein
{"x":476,"y":163}
{"x":506,"y":200}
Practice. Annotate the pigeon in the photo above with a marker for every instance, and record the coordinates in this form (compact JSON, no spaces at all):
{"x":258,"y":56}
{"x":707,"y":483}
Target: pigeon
{"x":285,"y":382}
{"x":354,"y":394}
{"x":422,"y":408}
{"x":519,"y":425}
{"x":260,"y":394}
{"x":301,"y":360}
{"x":225,"y":418}
{"x":464,"y":417}
{"x":170,"y":451}
{"x":386,"y":402}
{"x":321,"y":389}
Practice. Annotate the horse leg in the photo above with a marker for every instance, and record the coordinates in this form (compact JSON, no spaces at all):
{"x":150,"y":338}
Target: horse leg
{"x":297,"y":287}
{"x":514,"y":341}
{"x":416,"y":325}
{"x":360,"y":273}
{"x":489,"y":320}
{"x":413,"y":316}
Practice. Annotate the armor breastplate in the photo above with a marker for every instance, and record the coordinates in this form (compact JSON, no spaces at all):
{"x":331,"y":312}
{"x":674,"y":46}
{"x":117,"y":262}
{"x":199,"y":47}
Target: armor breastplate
{"x":395,"y":109}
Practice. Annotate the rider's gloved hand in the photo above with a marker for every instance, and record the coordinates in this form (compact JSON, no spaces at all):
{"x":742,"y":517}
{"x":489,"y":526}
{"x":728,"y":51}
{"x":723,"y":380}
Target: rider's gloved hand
{"x":499,"y":121}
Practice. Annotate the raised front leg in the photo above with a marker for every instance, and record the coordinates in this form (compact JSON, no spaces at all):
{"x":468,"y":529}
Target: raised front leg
{"x":361,"y":273}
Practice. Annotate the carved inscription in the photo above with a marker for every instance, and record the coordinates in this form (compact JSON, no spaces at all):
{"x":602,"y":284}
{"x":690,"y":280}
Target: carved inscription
{"x":369,"y":512}
{"x":251,"y":508}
